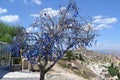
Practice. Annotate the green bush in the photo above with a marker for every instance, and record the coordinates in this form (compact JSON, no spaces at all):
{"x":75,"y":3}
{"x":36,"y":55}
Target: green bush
{"x":118,"y":75}
{"x":113,"y":71}
{"x":69,"y":55}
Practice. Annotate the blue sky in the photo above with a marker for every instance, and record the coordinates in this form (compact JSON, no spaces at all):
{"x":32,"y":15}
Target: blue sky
{"x":105,"y":15}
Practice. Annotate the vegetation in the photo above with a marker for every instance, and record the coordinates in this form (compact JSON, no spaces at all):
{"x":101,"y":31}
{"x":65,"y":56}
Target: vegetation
{"x":69,"y":55}
{"x":7,"y":32}
{"x":113,"y":71}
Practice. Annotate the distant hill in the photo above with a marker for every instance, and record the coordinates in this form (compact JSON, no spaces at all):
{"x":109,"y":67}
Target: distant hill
{"x":99,"y":55}
{"x":108,"y":51}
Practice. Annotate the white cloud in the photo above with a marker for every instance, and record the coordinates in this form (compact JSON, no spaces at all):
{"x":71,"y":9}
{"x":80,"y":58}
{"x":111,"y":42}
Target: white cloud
{"x":105,"y":20}
{"x":101,"y":26}
{"x":2,"y":10}
{"x":38,"y":2}
{"x":101,"y":22}
{"x":31,"y":29}
{"x":48,"y":11}
{"x":97,"y":17}
{"x":34,"y":15}
{"x":63,"y":8}
{"x":10,"y":18}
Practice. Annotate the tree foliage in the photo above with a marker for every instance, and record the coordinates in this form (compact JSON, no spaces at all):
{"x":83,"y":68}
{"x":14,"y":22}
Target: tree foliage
{"x":69,"y":55}
{"x":57,"y":35}
{"x":7,"y":32}
{"x":113,"y":71}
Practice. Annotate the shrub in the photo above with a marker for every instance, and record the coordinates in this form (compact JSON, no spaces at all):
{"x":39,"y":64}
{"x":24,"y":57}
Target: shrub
{"x":113,"y":71}
{"x":69,"y":55}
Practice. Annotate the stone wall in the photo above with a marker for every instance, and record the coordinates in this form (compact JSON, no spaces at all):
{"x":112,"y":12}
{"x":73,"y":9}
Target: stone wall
{"x":29,"y":66}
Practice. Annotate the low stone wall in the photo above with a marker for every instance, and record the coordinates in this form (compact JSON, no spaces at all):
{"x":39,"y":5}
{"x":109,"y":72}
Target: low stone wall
{"x":29,"y":66}
{"x":16,"y":67}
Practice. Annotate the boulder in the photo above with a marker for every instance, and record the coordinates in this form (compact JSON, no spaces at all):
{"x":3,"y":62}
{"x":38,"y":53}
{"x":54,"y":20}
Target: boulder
{"x":36,"y":67}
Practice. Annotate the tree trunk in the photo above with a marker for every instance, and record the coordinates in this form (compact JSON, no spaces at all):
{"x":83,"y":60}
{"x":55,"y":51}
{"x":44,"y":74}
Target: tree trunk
{"x":42,"y":76}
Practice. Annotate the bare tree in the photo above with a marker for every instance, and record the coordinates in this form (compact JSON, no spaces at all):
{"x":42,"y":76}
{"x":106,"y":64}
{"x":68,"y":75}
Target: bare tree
{"x":57,"y":35}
